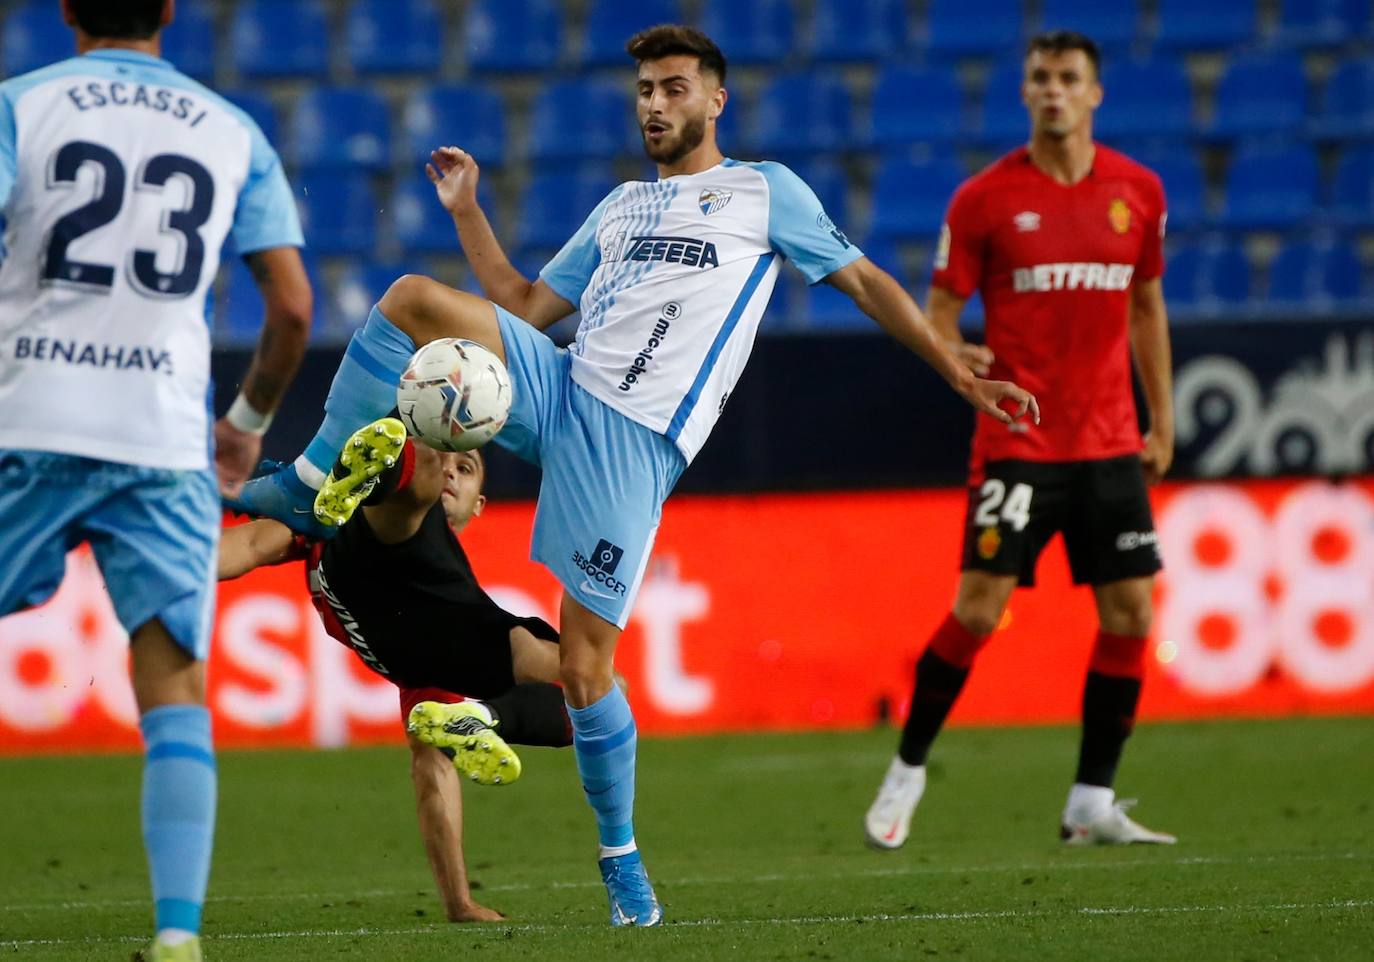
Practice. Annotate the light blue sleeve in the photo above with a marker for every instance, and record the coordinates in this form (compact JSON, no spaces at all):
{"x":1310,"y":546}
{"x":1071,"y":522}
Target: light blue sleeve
{"x":571,"y":269}
{"x":266,"y":215}
{"x":9,"y":160}
{"x":800,"y":230}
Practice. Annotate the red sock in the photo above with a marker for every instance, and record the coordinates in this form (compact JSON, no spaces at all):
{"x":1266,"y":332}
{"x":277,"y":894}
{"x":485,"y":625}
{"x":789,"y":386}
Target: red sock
{"x":955,"y":643}
{"x":1121,"y":656}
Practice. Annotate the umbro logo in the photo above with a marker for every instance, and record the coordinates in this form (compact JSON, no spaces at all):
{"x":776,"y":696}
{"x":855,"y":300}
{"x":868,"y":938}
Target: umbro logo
{"x":1026,"y":221}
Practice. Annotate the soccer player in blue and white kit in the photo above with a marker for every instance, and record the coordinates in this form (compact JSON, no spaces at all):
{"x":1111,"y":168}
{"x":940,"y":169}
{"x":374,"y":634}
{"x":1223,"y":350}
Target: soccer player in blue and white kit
{"x":672,"y":278}
{"x":120,"y":179}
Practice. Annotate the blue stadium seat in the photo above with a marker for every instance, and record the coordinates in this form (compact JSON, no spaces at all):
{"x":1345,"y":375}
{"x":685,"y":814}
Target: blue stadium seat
{"x":1003,"y":118}
{"x":1190,"y":25}
{"x":1271,"y":187}
{"x":610,"y":23}
{"x":360,"y":284}
{"x":337,"y":128}
{"x":272,"y":38}
{"x":1207,"y":277}
{"x":828,"y":180}
{"x":1111,"y":27}
{"x":34,"y":37}
{"x":1308,"y":274}
{"x":761,"y":31}
{"x":1263,"y":94}
{"x":464,"y":115}
{"x":964,"y":28}
{"x":189,"y":43}
{"x":259,"y":107}
{"x":557,"y":202}
{"x":338,"y":212}
{"x":422,"y":224}
{"x":1347,"y":103}
{"x":909,"y":198}
{"x":500,"y":35}
{"x":238,"y":308}
{"x":581,"y":119}
{"x":914,"y":104}
{"x":394,"y":36}
{"x":1320,"y":23}
{"x":1145,"y":98}
{"x":1352,"y":194}
{"x":1181,"y":172}
{"x":800,"y":113}
{"x":843,"y":30}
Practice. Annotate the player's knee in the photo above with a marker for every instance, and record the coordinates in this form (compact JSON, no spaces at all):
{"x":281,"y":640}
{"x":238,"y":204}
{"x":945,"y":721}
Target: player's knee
{"x":584,"y":680}
{"x":404,"y":302}
{"x":1132,"y":616}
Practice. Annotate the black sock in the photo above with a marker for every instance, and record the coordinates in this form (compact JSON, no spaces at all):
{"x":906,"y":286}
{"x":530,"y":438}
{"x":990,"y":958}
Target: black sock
{"x":1109,"y":705}
{"x":938,"y":684}
{"x":534,"y":713}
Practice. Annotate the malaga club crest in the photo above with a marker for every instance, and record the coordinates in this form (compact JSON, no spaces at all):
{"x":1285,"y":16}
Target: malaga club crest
{"x":713,"y":199}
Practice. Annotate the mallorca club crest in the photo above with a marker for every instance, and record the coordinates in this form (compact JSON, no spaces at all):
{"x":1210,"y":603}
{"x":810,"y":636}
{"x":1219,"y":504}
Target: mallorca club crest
{"x":713,"y":199}
{"x":1119,"y":216}
{"x":989,"y":542}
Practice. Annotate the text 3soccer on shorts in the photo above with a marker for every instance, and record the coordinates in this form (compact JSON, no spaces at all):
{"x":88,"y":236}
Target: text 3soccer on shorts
{"x":1101,"y":506}
{"x":605,"y":477}
{"x":154,"y":532}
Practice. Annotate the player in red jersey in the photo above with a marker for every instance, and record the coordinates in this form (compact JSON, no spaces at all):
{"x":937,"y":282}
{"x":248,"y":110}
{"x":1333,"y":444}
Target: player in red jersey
{"x":396,"y":587}
{"x":1063,"y":240}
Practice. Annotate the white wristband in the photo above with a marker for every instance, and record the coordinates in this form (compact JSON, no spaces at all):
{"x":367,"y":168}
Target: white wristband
{"x":245,"y":417}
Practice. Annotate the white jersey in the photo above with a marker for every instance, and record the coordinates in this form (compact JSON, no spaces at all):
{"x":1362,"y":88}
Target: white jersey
{"x":673,"y":277}
{"x":119,"y":180}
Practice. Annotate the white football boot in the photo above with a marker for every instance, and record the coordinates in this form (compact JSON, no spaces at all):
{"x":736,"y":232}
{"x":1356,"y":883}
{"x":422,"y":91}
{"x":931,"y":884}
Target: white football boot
{"x":1102,"y":820}
{"x":888,"y":821}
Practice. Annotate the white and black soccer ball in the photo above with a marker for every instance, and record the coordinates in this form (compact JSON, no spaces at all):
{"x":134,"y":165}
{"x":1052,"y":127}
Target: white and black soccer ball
{"x":454,"y":395}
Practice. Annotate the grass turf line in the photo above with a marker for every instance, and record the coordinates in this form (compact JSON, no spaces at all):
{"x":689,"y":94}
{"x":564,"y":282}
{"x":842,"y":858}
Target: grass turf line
{"x":755,"y":846}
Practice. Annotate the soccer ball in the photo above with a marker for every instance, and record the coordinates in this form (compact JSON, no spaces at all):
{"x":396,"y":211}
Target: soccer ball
{"x":454,"y":395}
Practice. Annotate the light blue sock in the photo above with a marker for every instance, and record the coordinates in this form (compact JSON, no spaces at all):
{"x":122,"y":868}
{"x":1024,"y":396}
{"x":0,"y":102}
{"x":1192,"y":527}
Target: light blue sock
{"x":604,"y":740}
{"x":364,"y":387}
{"x":178,"y":811}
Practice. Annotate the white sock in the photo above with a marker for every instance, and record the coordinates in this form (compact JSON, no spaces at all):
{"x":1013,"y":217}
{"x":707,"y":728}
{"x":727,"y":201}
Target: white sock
{"x":614,"y":851}
{"x":311,"y":476}
{"x":1088,"y":800}
{"x":483,"y":711}
{"x":174,"y":937}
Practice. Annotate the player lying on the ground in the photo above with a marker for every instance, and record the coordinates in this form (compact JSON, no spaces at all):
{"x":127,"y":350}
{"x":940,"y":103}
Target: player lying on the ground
{"x":396,"y":587}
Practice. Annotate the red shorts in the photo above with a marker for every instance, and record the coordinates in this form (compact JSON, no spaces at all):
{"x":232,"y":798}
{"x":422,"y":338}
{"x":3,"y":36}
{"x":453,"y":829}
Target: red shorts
{"x":410,"y":697}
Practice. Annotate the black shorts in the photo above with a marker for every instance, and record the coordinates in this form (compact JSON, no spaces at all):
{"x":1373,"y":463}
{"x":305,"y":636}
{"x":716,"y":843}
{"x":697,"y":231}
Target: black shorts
{"x":1102,"y":507}
{"x":414,"y":612}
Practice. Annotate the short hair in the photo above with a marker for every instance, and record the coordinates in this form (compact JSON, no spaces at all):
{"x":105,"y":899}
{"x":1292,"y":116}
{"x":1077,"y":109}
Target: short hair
{"x":675,"y":39}
{"x":1062,"y":41}
{"x":118,"y":19}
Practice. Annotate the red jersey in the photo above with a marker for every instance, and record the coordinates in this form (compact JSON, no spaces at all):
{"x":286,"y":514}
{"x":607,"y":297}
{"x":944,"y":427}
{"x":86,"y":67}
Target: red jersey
{"x":1054,"y":265}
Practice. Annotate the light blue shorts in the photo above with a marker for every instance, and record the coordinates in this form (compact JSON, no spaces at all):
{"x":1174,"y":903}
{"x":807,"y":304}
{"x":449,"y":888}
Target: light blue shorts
{"x":154,"y":532}
{"x":605,"y":477}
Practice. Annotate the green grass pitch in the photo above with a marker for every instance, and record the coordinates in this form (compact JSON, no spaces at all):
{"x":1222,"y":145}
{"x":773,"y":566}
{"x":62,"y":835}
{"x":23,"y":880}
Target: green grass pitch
{"x":754,"y":843}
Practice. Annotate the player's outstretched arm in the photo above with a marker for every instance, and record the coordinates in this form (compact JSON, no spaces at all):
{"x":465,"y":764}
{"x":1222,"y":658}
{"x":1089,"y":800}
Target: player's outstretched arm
{"x":943,"y":310}
{"x":1150,"y":344}
{"x":439,"y":806}
{"x":879,"y":296}
{"x":454,"y":174}
{"x":245,"y":547}
{"x":288,"y":303}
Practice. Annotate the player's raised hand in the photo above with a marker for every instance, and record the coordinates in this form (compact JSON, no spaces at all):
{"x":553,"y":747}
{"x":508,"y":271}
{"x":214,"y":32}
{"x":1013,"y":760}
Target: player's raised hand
{"x":1157,"y":455}
{"x":977,"y":357}
{"x":454,"y":175}
{"x":987,"y":396}
{"x":236,"y":454}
